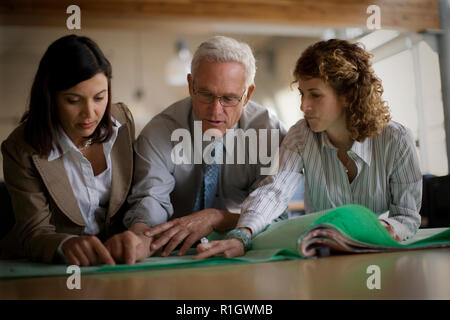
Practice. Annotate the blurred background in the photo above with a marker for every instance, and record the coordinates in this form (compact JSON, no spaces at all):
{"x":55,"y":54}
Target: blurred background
{"x":150,"y":43}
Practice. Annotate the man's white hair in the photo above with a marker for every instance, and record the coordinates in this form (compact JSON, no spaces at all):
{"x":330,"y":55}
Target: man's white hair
{"x":224,"y":49}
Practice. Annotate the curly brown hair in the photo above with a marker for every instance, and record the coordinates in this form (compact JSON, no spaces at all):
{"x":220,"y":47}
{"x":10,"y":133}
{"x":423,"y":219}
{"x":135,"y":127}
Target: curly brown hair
{"x":346,"y":67}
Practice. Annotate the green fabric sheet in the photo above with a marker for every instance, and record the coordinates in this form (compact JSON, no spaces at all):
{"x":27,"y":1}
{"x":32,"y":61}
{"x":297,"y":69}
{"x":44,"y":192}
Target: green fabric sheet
{"x":25,"y":268}
{"x":279,"y":241}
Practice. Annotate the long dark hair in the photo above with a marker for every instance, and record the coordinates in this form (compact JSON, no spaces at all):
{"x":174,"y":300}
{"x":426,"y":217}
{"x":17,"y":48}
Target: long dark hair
{"x":67,"y":62}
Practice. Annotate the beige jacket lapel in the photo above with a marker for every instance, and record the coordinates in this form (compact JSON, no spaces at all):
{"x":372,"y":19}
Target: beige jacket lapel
{"x":55,"y":179}
{"x":122,"y":169}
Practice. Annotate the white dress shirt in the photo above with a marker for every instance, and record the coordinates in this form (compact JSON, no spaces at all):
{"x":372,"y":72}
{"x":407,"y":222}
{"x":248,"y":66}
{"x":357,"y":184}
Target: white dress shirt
{"x":388,"y":178}
{"x":92,"y":192}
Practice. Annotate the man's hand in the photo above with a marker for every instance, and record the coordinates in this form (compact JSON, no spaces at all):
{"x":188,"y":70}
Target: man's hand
{"x":189,"y":229}
{"x":228,"y":248}
{"x":128,"y":247}
{"x":390,"y":230}
{"x":86,"y":250}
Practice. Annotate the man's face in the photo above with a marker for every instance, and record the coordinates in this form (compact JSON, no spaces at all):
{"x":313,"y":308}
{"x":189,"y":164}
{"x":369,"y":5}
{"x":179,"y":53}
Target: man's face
{"x":219,"y":79}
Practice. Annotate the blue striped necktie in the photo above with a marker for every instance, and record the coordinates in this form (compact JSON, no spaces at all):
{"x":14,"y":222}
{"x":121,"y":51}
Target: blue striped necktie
{"x":205,"y":197}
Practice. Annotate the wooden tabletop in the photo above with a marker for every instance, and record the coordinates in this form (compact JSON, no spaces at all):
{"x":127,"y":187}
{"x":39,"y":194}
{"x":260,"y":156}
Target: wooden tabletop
{"x":418,"y":274}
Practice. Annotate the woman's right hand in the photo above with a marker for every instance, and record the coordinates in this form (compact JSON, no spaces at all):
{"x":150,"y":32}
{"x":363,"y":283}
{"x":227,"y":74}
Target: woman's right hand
{"x":86,"y":251}
{"x":129,"y":247}
{"x":390,"y":230}
{"x":228,"y":248}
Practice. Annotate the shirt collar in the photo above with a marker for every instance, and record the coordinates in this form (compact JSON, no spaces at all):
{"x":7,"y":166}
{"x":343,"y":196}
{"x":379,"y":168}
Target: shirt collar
{"x":67,"y":145}
{"x":107,"y":146}
{"x":361,"y":149}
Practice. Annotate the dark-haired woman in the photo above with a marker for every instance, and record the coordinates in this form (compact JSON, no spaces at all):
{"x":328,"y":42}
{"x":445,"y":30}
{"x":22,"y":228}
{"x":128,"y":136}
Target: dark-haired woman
{"x":68,"y":166}
{"x":346,"y":147}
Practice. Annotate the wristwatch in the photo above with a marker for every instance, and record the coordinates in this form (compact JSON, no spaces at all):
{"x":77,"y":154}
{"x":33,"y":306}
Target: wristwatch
{"x":241,"y":235}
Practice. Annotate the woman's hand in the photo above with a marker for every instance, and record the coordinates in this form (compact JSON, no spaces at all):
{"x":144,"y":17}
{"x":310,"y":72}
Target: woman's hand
{"x":390,"y":230}
{"x":228,"y":248}
{"x":86,"y":251}
{"x":129,"y":247}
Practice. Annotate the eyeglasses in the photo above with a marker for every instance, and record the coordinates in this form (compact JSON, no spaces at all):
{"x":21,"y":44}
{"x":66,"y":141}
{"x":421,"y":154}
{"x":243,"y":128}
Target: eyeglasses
{"x":225,"y":101}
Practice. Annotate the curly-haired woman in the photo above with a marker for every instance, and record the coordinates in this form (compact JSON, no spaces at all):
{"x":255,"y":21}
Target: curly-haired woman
{"x":347,"y":148}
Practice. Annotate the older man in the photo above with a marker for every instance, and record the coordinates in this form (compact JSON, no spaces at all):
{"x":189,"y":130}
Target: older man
{"x":177,"y":199}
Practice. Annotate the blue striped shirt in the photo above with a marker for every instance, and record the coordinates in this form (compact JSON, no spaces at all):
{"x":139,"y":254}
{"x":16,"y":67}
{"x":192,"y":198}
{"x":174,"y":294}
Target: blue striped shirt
{"x":388,"y":179}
